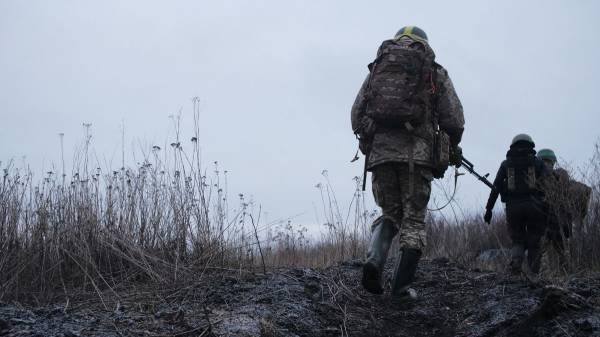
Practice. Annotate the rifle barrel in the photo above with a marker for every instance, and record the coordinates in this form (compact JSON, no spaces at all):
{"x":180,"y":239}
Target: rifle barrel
{"x":470,"y":167}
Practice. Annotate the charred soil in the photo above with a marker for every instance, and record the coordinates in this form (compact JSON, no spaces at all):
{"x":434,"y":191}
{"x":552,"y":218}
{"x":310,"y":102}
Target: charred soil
{"x":452,"y":301}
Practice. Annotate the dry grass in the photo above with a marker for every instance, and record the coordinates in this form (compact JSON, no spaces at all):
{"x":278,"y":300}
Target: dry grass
{"x":464,"y":241}
{"x":166,"y":222}
{"x":160,"y":224}
{"x":163,"y":222}
{"x":344,"y":236}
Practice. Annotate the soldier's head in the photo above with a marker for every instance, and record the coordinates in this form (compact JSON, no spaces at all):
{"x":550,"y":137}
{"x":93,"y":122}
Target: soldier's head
{"x":413,"y":32}
{"x":548,"y":157}
{"x":522,"y":140}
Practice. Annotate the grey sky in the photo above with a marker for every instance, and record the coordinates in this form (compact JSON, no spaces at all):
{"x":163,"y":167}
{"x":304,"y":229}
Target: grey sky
{"x":277,"y":80}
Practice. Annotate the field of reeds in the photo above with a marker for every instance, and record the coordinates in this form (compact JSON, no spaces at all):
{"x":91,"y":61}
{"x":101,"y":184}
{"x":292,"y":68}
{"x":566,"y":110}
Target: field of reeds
{"x":166,"y":222}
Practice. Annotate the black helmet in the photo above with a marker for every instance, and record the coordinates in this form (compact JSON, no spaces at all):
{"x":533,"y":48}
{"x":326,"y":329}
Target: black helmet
{"x":413,"y":32}
{"x":522,"y":138}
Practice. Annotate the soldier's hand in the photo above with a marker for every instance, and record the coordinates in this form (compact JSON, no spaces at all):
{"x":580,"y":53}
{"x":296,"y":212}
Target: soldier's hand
{"x":455,"y":156}
{"x":488,"y":216}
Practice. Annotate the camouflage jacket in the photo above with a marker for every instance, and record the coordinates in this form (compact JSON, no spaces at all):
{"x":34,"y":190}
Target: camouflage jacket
{"x":396,"y":144}
{"x":567,"y":199}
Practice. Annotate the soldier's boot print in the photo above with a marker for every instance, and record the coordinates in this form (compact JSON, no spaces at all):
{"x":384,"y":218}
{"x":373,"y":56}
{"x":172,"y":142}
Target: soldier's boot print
{"x":517,"y":253}
{"x":404,"y":273}
{"x":384,"y":231}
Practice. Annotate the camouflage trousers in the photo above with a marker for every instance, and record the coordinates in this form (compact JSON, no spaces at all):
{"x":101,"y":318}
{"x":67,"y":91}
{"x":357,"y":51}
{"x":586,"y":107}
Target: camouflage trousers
{"x":403,"y":199}
{"x":554,"y":248}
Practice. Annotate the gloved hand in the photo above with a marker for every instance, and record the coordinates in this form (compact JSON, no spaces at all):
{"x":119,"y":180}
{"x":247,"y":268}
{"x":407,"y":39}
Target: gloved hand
{"x":455,"y":156}
{"x":438,"y":173}
{"x":488,"y":216}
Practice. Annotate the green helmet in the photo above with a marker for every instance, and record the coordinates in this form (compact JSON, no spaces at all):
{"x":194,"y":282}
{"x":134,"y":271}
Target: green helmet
{"x":522,"y":137}
{"x":547,"y":154}
{"x":413,"y":32}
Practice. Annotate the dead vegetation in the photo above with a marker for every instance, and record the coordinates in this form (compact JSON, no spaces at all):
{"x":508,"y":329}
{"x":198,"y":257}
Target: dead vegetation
{"x":453,"y":301}
{"x":167,"y":222}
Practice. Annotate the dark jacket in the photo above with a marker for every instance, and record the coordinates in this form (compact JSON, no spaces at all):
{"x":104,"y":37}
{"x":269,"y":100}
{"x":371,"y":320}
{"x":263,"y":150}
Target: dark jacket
{"x":501,"y":181}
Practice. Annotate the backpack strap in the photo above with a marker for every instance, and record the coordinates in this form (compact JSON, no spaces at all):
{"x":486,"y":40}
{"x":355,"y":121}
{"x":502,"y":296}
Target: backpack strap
{"x":435,"y":118}
{"x":427,"y":78}
{"x":436,"y":147}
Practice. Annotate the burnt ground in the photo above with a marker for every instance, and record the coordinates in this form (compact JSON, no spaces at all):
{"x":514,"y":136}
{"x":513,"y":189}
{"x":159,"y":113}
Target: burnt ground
{"x":453,"y":301}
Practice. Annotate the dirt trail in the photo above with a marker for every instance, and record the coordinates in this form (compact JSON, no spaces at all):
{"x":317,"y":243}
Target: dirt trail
{"x":453,"y":301}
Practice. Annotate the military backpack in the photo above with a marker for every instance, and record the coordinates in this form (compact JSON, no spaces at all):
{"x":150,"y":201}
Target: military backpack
{"x":400,"y":81}
{"x":520,"y":176}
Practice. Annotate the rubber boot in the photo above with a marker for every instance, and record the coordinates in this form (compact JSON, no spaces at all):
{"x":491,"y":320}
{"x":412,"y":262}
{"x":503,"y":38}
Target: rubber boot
{"x":381,"y":240}
{"x":516,"y":259}
{"x":404,"y":273}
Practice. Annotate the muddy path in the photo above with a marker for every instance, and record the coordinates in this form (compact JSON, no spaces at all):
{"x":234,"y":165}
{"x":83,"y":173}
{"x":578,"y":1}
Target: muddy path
{"x":452,"y":301}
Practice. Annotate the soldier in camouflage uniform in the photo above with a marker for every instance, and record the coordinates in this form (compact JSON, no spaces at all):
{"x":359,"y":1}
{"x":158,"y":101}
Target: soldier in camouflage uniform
{"x":400,"y":160}
{"x":558,"y":215}
{"x":566,"y":203}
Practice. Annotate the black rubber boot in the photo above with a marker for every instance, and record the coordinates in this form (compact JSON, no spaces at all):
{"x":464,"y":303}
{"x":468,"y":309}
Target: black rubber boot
{"x":381,"y":240}
{"x":404,"y":274}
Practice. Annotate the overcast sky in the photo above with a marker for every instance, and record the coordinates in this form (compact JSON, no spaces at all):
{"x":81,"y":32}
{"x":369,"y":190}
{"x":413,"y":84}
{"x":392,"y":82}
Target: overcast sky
{"x":277,"y":80}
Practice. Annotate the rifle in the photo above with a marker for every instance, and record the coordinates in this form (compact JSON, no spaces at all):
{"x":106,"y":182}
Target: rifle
{"x":470,"y":167}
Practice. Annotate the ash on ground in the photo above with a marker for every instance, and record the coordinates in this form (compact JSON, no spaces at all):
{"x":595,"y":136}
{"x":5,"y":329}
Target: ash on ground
{"x":452,"y":301}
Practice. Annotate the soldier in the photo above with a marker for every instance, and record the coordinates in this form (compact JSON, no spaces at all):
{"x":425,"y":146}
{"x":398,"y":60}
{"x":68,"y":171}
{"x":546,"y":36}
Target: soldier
{"x":405,"y":112}
{"x":518,"y":182}
{"x":558,"y":215}
{"x":566,"y":202}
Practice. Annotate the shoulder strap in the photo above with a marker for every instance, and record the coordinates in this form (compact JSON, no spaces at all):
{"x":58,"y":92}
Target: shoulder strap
{"x":434,"y":107}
